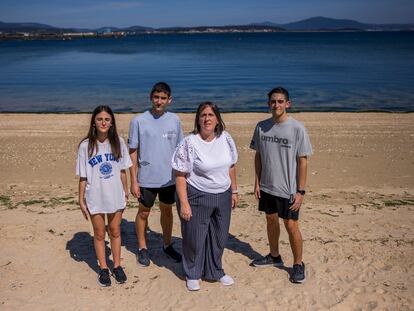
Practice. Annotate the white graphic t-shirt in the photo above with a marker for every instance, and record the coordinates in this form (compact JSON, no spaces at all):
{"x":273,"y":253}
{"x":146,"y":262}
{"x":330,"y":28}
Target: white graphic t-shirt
{"x":104,"y":191}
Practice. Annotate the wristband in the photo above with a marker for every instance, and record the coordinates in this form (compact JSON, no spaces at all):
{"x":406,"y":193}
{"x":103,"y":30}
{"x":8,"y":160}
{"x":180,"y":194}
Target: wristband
{"x":235,"y":191}
{"x":302,"y":192}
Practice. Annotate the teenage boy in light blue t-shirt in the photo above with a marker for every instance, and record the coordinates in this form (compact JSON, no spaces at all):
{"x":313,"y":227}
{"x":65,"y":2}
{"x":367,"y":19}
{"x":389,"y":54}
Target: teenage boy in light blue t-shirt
{"x":153,"y":137}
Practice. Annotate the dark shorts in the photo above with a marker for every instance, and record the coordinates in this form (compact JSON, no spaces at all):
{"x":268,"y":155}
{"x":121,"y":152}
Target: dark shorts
{"x":271,"y":204}
{"x":165,"y":195}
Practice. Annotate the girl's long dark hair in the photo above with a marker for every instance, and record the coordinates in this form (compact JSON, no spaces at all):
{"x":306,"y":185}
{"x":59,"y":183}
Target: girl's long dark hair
{"x":112,"y":134}
{"x":220,"y":127}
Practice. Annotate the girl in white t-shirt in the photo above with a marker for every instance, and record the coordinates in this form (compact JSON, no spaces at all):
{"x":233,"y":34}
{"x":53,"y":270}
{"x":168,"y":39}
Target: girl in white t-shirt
{"x":102,"y":160}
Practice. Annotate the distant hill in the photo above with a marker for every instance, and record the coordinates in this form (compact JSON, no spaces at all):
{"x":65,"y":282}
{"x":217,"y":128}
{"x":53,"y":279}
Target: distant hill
{"x":325,"y":23}
{"x":316,"y":23}
{"x":12,"y":27}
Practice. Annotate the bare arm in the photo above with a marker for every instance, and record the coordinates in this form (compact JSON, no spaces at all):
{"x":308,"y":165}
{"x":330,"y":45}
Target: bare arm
{"x":133,"y":170}
{"x":181,"y":188}
{"x":301,"y":182}
{"x":257,"y":174}
{"x":235,"y":194}
{"x":124,"y":183}
{"x":82,"y":200}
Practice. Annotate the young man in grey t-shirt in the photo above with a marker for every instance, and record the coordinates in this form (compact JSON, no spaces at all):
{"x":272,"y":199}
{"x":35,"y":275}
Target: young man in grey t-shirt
{"x":153,"y":137}
{"x":282,"y":148}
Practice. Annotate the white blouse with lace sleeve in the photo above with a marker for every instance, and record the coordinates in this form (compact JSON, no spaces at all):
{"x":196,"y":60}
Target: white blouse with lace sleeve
{"x":183,"y":158}
{"x":206,"y":164}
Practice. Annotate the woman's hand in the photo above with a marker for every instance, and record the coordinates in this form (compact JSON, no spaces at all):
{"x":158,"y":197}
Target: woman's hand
{"x":185,"y":211}
{"x":234,"y":200}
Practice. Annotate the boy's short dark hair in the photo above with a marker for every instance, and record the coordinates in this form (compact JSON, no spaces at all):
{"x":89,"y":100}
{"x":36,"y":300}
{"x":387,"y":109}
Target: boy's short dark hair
{"x":278,"y":90}
{"x":161,"y":87}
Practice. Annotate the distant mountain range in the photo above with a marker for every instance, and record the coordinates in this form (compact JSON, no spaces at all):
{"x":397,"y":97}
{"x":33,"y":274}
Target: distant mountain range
{"x":324,"y":23}
{"x":310,"y":24}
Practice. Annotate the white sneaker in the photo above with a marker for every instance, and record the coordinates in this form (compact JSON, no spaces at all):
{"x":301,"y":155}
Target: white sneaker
{"x":227,"y":280}
{"x":193,"y":285}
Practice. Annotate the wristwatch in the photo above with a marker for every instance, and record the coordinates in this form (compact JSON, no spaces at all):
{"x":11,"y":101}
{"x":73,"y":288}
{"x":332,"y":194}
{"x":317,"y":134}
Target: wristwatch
{"x":302,"y":192}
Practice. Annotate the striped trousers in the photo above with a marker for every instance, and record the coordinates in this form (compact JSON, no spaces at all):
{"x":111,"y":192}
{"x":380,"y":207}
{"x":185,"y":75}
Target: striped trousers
{"x":205,"y":234}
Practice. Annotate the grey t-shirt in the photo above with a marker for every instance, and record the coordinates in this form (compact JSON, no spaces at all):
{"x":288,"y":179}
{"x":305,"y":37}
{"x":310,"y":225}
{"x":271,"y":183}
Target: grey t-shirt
{"x":156,"y":140}
{"x":279,"y":145}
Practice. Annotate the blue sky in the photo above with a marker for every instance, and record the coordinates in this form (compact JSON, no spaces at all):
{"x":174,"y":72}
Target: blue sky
{"x":166,"y":13}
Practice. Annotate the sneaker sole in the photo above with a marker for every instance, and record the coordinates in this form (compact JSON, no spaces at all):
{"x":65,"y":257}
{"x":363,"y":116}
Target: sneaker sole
{"x":120,"y":282}
{"x":279,"y":265}
{"x":103,"y":285}
{"x":298,"y":281}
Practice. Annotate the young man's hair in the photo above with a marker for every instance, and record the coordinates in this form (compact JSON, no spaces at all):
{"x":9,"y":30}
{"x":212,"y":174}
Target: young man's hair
{"x":278,"y":90}
{"x":92,"y":135}
{"x":161,"y":87}
{"x":220,"y":123}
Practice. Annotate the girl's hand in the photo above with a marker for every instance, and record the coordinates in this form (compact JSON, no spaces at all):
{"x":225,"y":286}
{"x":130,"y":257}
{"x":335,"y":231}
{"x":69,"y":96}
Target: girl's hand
{"x":84,"y":209}
{"x":185,"y":212}
{"x":234,"y":200}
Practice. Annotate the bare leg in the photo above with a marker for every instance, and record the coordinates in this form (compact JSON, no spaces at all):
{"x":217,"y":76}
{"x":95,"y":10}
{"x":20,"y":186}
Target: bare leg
{"x":98,"y":223}
{"x":295,"y":239}
{"x":273,"y":233}
{"x":141,"y":224}
{"x":166,"y":221}
{"x":114,"y":228}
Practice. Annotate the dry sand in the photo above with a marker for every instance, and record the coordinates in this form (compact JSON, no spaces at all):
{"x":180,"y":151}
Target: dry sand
{"x":357,"y":223}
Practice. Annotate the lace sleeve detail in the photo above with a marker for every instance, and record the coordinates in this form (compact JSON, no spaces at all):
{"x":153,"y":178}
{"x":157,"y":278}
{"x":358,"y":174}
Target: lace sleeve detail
{"x":232,"y":146}
{"x":183,"y":157}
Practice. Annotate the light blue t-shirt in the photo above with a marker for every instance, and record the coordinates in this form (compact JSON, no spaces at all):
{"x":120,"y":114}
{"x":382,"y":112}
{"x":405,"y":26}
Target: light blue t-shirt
{"x":156,"y":139}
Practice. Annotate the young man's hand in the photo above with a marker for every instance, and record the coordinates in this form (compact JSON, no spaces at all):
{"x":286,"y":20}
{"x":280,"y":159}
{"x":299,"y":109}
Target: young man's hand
{"x":297,"y":203}
{"x":257,"y":191}
{"x":135,"y":191}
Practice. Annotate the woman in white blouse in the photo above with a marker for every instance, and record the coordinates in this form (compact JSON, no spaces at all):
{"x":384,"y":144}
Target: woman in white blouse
{"x":205,"y":169}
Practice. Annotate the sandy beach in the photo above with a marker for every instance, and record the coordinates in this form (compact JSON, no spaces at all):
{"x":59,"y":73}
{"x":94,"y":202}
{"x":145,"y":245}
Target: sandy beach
{"x":357,"y":223}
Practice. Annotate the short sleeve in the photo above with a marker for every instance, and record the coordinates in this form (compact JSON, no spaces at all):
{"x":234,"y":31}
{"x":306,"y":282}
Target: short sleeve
{"x":233,"y":149}
{"x":125,"y":159}
{"x":180,"y":133}
{"x":255,"y":139}
{"x":183,"y":157}
{"x":81,"y":161}
{"x":133,"y":135}
{"x":304,"y":144}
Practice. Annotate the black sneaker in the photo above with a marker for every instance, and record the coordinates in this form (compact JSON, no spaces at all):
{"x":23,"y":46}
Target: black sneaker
{"x":119,"y":275}
{"x":103,"y":279}
{"x":298,"y":274}
{"x":143,"y":257}
{"x":172,"y":253}
{"x":268,"y":260}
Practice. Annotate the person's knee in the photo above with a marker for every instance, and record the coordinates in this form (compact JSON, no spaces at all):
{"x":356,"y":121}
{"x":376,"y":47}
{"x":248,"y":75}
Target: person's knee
{"x":165,"y":209}
{"x":272,"y":219}
{"x":291,"y":226}
{"x":114,"y":232}
{"x":99,"y":234}
{"x":143,"y":213}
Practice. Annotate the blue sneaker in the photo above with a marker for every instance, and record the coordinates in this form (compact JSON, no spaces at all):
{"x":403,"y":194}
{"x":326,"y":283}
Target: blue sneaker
{"x":267,"y":261}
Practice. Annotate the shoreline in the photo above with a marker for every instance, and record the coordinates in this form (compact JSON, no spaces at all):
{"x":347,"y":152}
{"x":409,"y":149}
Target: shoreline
{"x":221,"y":111}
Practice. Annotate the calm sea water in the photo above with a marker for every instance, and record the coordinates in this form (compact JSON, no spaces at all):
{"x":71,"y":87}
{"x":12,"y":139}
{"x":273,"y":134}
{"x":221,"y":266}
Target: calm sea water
{"x":322,"y":71}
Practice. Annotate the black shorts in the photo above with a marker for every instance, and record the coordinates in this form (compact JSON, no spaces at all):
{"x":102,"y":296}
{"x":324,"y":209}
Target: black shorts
{"x":271,"y":204}
{"x":165,"y":195}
